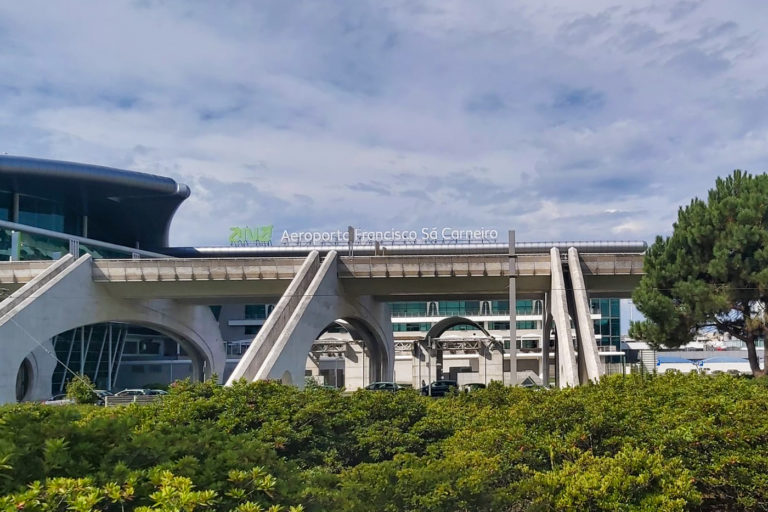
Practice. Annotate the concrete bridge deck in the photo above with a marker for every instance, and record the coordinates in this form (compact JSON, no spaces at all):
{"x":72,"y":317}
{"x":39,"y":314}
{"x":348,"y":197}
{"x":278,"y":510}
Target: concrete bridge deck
{"x":394,"y":277}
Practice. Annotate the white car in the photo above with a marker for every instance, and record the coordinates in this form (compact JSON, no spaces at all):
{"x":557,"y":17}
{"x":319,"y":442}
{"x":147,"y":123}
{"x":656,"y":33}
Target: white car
{"x":140,"y":391}
{"x":60,"y":399}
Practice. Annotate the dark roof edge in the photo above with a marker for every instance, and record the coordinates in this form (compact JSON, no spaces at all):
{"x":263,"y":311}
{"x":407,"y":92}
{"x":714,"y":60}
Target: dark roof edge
{"x":39,"y":167}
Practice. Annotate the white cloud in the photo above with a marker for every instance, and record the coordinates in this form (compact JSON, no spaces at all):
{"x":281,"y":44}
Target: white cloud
{"x":594,"y":120}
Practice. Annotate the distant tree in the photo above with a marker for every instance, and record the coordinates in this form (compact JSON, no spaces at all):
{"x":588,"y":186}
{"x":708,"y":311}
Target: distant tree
{"x":712,"y":272}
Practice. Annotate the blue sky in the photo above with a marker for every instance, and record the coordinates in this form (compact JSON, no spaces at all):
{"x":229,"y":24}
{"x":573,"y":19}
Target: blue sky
{"x":563,"y":120}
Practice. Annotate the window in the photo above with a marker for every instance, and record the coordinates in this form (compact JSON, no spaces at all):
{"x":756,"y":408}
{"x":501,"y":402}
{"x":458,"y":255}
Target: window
{"x":149,"y":347}
{"x":500,"y":306}
{"x":255,"y":311}
{"x":47,"y":214}
{"x":252,"y":330}
{"x":409,"y":308}
{"x":615,"y":308}
{"x":6,"y":205}
{"x":524,"y":307}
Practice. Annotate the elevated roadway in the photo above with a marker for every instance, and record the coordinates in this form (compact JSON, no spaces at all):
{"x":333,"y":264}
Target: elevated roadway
{"x":386,"y":277}
{"x":42,"y":299}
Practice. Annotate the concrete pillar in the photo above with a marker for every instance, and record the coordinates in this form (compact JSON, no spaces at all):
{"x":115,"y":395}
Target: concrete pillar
{"x":546,"y":329}
{"x":357,"y":364}
{"x":418,"y":368}
{"x":314,"y":300}
{"x":512,"y":311}
{"x":423,"y":367}
{"x":567,"y":370}
{"x":590,"y":366}
{"x":491,"y":362}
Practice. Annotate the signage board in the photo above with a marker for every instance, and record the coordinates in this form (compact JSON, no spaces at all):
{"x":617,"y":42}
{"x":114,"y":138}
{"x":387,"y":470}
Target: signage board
{"x":262,"y":236}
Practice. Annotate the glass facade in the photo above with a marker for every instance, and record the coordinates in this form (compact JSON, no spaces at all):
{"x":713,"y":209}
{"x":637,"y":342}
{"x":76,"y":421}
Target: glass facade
{"x":464,"y":308}
{"x":98,"y":350}
{"x":257,"y":311}
{"x":48,"y":214}
{"x":608,"y":327}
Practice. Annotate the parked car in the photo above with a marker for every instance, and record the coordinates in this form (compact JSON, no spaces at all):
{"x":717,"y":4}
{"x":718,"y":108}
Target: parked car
{"x":131,"y":392}
{"x":439,"y":388}
{"x":140,"y":392}
{"x":60,"y":399}
{"x":383,"y":386}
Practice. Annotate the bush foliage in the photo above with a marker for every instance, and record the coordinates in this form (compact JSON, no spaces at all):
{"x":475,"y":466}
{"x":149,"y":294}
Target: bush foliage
{"x":675,"y":442}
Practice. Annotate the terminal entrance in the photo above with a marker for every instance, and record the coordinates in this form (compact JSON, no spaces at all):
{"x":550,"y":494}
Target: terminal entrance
{"x":344,"y":355}
{"x":117,"y":355}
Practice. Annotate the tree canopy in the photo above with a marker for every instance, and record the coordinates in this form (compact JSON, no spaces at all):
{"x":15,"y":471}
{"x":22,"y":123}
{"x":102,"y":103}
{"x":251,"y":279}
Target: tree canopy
{"x":712,"y":272}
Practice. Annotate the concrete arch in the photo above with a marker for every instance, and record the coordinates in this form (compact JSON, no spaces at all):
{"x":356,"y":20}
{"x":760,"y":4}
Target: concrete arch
{"x":326,"y":310}
{"x":200,"y":360}
{"x":443,"y":325}
{"x":379,"y":357}
{"x":73,"y":300}
{"x":366,"y":359}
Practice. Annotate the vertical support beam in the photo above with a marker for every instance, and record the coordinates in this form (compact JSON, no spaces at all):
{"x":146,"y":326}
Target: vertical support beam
{"x":82,"y":350}
{"x":590,"y":366}
{"x":98,"y":361}
{"x":15,"y":246}
{"x":429,"y":365}
{"x":512,"y":311}
{"x":567,"y":369}
{"x":109,"y":361}
{"x":69,"y":358}
{"x":416,"y":363}
{"x":120,"y":349}
{"x":15,"y":209}
{"x":546,"y":329}
{"x":354,"y":365}
{"x":87,"y":349}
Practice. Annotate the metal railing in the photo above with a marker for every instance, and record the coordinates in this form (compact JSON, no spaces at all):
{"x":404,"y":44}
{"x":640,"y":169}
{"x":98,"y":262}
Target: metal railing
{"x":79,"y":240}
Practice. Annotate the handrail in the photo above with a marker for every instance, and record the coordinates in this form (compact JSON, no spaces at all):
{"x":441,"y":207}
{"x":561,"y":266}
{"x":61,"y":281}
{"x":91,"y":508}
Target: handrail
{"x":24,"y":228}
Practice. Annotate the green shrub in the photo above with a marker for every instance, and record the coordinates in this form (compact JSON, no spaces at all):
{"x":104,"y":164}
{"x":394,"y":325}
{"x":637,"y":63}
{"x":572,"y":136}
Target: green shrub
{"x":80,"y":389}
{"x":673,"y":442}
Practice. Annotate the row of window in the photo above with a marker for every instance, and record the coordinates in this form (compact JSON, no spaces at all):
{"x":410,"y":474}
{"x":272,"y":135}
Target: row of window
{"x":41,"y":213}
{"x":491,"y":326}
{"x":464,"y":307}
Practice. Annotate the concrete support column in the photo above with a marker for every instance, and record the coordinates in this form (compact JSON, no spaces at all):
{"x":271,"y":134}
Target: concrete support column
{"x":546,"y":329}
{"x":590,"y":366}
{"x":357,"y":362}
{"x":567,"y":369}
{"x":491,"y":362}
{"x":419,"y":365}
{"x":512,"y":312}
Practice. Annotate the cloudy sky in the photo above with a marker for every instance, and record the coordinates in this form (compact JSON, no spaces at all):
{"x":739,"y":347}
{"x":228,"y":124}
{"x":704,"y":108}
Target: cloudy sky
{"x":586,"y":119}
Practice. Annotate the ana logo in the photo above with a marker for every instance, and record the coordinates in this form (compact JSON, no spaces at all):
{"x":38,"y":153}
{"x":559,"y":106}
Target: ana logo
{"x":261,"y":235}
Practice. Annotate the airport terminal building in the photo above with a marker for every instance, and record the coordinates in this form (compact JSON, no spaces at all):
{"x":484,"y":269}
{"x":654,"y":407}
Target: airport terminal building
{"x":53,"y":214}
